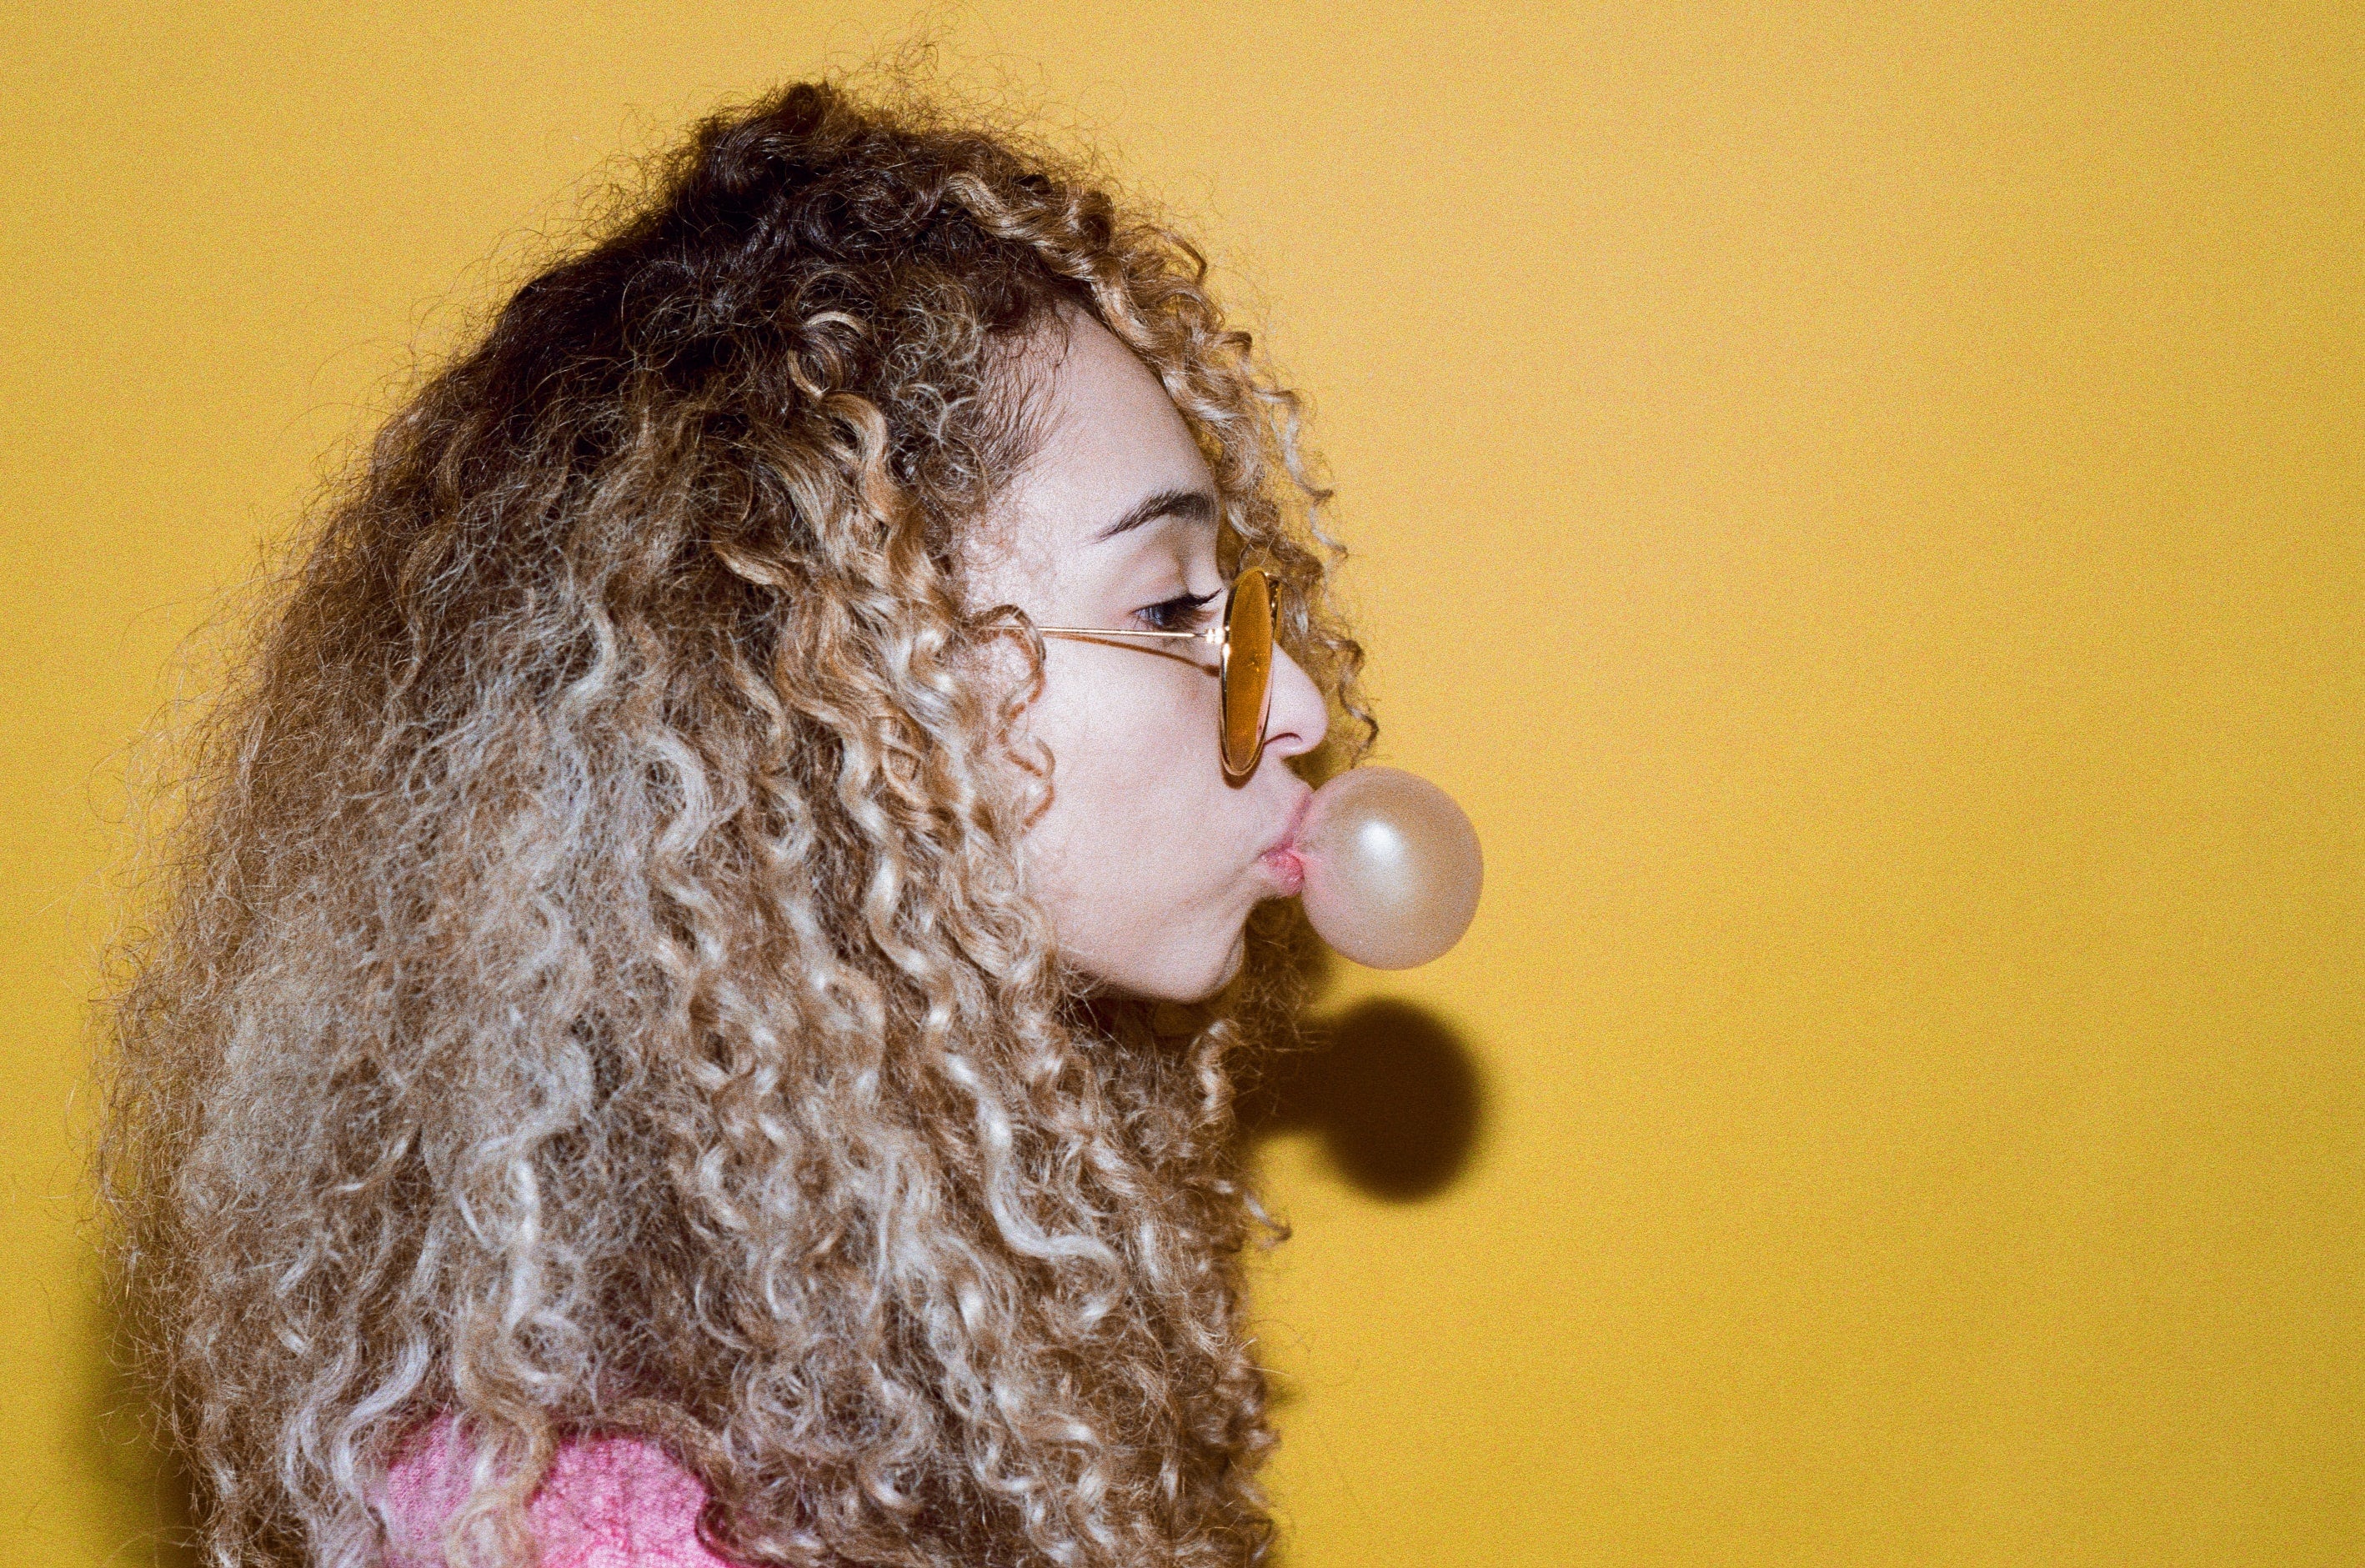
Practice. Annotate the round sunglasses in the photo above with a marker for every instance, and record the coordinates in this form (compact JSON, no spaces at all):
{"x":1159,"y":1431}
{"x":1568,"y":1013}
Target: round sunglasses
{"x":1244,"y":638}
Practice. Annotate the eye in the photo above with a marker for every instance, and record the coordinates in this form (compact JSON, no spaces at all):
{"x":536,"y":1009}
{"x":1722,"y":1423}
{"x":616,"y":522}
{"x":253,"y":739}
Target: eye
{"x":1184,"y":612}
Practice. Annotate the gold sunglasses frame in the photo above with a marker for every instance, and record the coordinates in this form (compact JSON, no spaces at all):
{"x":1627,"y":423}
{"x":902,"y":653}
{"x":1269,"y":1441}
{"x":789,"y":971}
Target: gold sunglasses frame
{"x":1252,"y":585}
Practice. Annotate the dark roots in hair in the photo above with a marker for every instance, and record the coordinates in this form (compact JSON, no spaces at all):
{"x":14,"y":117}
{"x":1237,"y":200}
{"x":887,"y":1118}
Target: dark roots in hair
{"x":592,"y":986}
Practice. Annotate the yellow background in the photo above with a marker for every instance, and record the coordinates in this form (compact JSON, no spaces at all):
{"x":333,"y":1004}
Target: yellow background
{"x":1865,"y":505}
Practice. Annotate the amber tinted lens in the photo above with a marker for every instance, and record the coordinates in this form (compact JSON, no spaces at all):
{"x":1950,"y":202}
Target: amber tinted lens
{"x":1249,"y":618}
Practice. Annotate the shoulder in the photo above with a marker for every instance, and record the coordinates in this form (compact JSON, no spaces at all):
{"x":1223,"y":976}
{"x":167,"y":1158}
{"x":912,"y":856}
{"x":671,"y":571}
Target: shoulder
{"x":609,"y":1502}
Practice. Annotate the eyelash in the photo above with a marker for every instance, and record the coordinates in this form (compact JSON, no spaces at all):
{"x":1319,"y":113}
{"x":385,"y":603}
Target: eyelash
{"x":1181,"y":613}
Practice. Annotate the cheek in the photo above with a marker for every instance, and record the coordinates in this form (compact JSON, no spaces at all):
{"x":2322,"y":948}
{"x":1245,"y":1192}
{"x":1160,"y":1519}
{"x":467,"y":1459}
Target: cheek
{"x":1123,"y":712}
{"x":1118,"y":759}
{"x":1128,"y":826}
{"x":1141,"y":858}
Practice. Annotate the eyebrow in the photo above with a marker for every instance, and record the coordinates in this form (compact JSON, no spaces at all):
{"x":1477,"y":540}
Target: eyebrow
{"x":1191,"y":506}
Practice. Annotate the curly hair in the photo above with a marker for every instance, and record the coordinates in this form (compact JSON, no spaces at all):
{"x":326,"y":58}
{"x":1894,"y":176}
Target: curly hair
{"x":593,"y":986}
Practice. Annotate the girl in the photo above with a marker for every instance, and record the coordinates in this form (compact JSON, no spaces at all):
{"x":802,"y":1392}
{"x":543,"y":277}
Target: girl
{"x":693,"y":1015}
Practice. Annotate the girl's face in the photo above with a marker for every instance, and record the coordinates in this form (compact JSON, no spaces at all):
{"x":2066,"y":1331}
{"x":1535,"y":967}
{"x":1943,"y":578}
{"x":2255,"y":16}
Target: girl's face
{"x":1147,"y":859}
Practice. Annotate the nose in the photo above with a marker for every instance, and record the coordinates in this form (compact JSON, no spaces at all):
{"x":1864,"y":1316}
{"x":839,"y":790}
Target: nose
{"x":1299,"y":716}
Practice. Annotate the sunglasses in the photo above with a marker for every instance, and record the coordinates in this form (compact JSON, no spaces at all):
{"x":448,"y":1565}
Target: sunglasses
{"x":1244,"y":638}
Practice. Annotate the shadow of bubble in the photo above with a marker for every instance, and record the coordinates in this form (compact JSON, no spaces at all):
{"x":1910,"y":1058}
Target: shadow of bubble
{"x":1393,"y":1091}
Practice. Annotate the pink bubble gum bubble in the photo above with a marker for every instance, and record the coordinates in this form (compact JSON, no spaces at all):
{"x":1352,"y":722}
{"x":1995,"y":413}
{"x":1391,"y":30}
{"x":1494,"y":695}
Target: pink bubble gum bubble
{"x":1392,"y":867}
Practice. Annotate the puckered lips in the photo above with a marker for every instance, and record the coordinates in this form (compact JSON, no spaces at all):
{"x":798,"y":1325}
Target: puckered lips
{"x":1284,"y":860}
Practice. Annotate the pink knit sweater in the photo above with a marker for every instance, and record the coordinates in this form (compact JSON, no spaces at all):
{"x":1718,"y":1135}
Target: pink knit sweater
{"x":607,"y":1502}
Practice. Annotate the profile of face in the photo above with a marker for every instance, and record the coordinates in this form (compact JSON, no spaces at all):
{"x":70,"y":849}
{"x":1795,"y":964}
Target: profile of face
{"x":1147,"y":859}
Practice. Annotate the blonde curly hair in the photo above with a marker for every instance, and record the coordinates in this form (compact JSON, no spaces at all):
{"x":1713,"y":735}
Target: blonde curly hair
{"x":594,"y":988}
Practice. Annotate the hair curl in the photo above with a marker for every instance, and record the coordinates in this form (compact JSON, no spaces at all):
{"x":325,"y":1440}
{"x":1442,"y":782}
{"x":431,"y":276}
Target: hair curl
{"x":595,"y":988}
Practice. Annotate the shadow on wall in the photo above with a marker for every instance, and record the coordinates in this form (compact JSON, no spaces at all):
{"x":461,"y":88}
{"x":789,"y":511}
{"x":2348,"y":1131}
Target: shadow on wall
{"x":1393,"y":1091}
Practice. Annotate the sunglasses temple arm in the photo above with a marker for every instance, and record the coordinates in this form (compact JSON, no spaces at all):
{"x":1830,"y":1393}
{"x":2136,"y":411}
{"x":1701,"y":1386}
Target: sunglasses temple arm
{"x":1213,"y":635}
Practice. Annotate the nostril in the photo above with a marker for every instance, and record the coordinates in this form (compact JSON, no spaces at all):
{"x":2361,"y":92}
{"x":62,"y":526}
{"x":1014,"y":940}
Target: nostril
{"x":1299,"y":719}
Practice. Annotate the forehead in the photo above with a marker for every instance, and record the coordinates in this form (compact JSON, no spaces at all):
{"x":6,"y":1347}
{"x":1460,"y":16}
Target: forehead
{"x":1106,"y":438}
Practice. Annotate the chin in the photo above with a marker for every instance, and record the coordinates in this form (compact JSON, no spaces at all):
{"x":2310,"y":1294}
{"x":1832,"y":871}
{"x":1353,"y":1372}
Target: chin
{"x":1180,"y":983}
{"x":1222,"y":975}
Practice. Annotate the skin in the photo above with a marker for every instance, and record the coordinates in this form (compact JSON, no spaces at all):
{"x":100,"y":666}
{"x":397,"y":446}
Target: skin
{"x":1147,"y":859}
